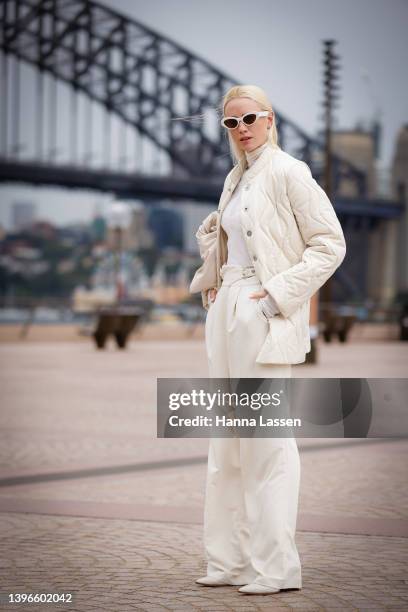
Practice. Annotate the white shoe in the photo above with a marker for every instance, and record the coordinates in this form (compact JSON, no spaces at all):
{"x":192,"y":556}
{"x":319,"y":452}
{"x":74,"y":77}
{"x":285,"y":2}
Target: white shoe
{"x":257,"y":589}
{"x":218,"y":581}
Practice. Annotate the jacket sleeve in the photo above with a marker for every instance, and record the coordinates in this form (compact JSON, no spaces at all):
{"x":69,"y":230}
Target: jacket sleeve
{"x":269,"y":306}
{"x":322,"y":234}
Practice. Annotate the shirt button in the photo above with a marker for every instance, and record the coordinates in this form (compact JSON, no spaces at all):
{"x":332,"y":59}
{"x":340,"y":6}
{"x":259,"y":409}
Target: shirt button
{"x":249,"y":233}
{"x":247,"y":187}
{"x":246,"y":208}
{"x":255,"y":258}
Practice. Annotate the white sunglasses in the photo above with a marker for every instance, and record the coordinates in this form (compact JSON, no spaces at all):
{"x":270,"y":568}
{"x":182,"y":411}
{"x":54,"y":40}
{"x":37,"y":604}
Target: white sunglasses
{"x":249,"y":118}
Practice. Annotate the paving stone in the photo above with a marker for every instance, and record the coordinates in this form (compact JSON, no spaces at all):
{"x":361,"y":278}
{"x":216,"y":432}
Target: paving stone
{"x":62,"y":412}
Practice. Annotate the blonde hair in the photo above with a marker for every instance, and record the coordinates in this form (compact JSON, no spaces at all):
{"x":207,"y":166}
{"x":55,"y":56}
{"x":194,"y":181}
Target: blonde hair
{"x":258,"y":95}
{"x":239,"y":91}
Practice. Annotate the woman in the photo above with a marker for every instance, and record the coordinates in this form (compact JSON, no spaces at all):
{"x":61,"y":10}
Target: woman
{"x":277,"y":241}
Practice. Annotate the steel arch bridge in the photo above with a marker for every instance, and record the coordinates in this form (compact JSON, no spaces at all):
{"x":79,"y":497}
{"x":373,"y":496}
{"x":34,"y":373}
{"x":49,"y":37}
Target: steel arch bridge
{"x":145,"y":79}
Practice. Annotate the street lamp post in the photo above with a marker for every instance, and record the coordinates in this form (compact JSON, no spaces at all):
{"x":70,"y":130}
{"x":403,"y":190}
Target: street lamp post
{"x":331,"y":65}
{"x":120,"y":319}
{"x":118,"y":221}
{"x":331,"y":88}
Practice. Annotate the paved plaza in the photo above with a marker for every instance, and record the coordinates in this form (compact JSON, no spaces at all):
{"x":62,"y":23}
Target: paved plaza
{"x":92,"y":503}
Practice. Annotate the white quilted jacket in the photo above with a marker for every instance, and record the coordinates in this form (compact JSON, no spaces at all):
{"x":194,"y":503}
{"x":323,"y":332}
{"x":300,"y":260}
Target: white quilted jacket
{"x":295,"y":241}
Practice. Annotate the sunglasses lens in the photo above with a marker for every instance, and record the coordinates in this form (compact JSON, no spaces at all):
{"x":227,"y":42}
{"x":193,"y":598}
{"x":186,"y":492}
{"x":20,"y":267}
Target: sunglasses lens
{"x":230,"y":123}
{"x":249,"y":119}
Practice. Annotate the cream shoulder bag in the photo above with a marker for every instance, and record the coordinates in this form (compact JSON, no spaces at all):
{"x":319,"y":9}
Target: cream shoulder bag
{"x":206,"y":276}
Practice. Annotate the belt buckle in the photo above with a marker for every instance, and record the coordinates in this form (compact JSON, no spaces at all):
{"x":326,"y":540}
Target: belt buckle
{"x":247,"y":272}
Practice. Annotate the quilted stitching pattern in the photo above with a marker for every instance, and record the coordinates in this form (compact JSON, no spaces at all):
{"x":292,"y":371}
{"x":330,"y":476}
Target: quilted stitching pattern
{"x":298,"y":241}
{"x":322,"y":235}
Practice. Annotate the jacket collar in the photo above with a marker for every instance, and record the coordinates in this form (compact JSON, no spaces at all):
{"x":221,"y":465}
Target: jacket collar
{"x":239,"y":169}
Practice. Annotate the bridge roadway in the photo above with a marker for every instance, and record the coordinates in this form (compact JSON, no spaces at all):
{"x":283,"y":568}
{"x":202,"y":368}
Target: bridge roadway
{"x":128,"y":185}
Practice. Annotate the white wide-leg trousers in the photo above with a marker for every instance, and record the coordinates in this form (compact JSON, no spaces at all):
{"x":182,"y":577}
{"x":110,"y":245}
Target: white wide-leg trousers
{"x":252,"y":486}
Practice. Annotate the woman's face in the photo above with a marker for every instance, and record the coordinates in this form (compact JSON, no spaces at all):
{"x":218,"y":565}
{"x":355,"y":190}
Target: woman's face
{"x":248,"y":137}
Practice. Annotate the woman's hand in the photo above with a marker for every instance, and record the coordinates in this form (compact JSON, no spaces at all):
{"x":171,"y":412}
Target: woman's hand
{"x":268,"y":305}
{"x":212,"y":293}
{"x":258,"y":294}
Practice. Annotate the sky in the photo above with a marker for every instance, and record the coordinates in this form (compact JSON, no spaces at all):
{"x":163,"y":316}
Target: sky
{"x":278,"y":46}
